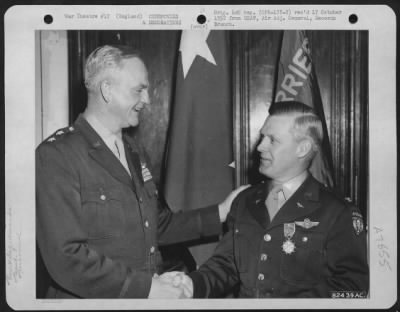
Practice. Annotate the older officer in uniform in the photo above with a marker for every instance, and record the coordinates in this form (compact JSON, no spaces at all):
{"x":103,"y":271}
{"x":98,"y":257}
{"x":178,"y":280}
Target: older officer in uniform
{"x":289,"y":236}
{"x":99,"y":219}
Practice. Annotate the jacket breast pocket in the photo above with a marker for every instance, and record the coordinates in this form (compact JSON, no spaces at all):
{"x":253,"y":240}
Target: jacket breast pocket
{"x":103,"y":212}
{"x":306,"y":263}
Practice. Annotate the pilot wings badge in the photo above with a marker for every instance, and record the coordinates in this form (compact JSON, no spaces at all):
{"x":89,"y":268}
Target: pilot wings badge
{"x":307,"y":223}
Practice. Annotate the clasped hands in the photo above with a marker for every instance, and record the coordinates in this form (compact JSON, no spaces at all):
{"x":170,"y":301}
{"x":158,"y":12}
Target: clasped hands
{"x":171,"y":285}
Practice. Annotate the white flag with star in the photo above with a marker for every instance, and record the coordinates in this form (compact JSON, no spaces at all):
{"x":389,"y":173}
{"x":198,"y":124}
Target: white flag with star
{"x":200,"y":152}
{"x":193,"y":43}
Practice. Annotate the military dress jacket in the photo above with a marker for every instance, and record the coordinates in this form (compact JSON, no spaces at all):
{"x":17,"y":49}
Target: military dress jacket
{"x":312,"y":247}
{"x":98,"y":228}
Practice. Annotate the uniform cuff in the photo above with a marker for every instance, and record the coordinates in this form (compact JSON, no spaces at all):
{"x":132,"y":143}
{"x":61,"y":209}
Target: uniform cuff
{"x":199,"y":285}
{"x":210,"y":221}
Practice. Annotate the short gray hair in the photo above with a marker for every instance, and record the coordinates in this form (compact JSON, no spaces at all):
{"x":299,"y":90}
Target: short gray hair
{"x":307,"y":124}
{"x":105,"y":58}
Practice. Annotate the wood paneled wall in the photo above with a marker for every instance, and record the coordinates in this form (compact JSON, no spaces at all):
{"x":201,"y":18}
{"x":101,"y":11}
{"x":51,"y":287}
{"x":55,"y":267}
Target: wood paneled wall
{"x":341,"y":64}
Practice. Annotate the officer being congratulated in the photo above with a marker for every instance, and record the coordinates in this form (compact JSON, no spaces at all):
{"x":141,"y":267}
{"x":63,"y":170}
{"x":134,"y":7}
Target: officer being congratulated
{"x":99,"y":219}
{"x":289,"y":236}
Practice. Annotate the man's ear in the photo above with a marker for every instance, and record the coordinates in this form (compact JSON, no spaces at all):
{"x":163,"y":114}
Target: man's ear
{"x":304,"y":148}
{"x":105,"y":90}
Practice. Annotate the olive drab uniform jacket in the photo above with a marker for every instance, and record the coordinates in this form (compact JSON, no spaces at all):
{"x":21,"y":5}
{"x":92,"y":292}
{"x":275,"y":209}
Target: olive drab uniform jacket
{"x":316,"y":244}
{"x":98,"y":228}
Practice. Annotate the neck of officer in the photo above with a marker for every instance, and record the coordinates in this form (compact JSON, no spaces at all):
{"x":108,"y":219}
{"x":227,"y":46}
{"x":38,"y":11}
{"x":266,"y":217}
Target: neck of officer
{"x":300,"y":170}
{"x":97,"y":109}
{"x":289,"y":187}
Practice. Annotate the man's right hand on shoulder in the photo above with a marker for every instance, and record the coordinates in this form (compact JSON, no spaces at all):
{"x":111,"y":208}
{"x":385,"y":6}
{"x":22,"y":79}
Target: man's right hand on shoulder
{"x":225,"y":206}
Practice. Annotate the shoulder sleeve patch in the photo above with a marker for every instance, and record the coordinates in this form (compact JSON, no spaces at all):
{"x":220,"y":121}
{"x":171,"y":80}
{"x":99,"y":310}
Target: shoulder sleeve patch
{"x":358,"y":223}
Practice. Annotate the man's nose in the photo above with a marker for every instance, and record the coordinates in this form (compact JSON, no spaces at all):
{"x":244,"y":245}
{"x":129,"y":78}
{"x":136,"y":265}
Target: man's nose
{"x":263,"y":145}
{"x":145,"y":97}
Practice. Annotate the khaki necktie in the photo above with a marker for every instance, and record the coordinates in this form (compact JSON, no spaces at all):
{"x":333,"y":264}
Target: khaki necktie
{"x":274,"y":200}
{"x":120,"y":153}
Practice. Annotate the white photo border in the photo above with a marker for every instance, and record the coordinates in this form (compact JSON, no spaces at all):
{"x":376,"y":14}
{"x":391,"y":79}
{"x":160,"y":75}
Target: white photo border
{"x":21,"y":22}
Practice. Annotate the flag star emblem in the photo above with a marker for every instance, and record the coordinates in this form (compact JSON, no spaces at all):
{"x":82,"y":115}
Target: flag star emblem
{"x":194,"y":42}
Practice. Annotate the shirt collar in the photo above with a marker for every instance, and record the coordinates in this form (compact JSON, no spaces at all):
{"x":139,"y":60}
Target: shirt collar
{"x":106,"y":135}
{"x":291,"y":186}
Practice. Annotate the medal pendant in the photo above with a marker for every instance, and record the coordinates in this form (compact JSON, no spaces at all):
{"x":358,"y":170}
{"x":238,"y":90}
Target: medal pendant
{"x":288,"y":247}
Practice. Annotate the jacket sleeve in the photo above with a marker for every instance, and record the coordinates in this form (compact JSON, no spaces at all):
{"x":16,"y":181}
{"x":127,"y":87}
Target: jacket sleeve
{"x":63,"y":242}
{"x":182,"y":226}
{"x":346,"y":254}
{"x":218,"y":275}
{"x":189,"y":225}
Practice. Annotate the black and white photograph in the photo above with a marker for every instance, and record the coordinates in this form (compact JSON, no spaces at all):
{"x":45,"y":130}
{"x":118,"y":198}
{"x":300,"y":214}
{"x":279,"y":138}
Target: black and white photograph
{"x":235,"y":155}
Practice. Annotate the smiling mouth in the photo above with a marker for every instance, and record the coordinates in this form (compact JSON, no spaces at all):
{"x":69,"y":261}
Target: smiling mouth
{"x":137,"y":108}
{"x":265,"y":160}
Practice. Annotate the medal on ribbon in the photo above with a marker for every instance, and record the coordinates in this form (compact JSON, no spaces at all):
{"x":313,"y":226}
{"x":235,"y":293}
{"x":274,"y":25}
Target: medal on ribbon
{"x":288,"y":246}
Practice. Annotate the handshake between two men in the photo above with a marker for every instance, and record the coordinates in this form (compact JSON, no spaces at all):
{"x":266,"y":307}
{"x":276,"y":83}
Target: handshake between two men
{"x":171,"y":285}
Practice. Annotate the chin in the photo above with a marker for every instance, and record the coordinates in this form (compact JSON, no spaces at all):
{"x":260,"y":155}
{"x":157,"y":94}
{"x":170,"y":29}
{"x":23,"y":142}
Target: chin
{"x":264,"y":171}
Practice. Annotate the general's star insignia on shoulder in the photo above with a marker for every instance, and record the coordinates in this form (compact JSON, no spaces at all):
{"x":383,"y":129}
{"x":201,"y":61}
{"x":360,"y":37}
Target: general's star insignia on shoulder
{"x":59,"y":133}
{"x":358,"y":223}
